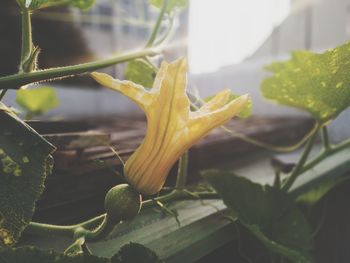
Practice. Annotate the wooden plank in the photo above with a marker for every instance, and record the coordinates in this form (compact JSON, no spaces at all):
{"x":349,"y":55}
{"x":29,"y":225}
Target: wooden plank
{"x":222,"y":145}
{"x":78,"y":140}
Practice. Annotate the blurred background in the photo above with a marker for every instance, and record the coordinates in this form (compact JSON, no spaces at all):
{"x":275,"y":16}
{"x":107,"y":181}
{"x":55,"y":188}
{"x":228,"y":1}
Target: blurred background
{"x":227,"y":44}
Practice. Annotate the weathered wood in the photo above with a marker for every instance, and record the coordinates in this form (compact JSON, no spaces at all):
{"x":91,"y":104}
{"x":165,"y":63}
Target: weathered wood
{"x":84,"y":174}
{"x":78,"y":140}
{"x":125,"y":137}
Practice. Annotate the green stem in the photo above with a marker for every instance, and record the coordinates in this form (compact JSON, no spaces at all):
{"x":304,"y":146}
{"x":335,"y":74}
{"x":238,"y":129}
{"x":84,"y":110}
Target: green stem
{"x":100,"y":221}
{"x":324,"y":154}
{"x":149,"y":62}
{"x":100,"y":232}
{"x":325,"y":138}
{"x":20,"y":79}
{"x":182,"y":171}
{"x":162,"y":38}
{"x":93,"y":222}
{"x":156,"y":27}
{"x":178,"y":195}
{"x":50,"y":230}
{"x":296,"y":171}
{"x":3,"y":93}
{"x":255,"y":142}
{"x":27,"y":42}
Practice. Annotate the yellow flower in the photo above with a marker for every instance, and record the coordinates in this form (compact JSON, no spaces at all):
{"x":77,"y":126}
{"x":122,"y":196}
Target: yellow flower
{"x":172,"y":128}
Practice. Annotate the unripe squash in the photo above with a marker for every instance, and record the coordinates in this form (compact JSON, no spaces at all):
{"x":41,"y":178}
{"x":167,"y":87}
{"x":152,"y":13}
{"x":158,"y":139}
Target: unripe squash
{"x":122,"y":203}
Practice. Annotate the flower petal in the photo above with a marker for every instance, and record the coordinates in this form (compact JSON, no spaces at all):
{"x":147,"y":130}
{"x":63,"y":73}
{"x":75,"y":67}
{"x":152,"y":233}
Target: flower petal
{"x":135,"y":92}
{"x":202,"y":124}
{"x":218,"y":101}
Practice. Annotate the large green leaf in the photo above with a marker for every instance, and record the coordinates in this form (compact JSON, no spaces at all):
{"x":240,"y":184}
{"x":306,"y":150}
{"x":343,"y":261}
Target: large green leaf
{"x":319,"y":191}
{"x":317,"y":83}
{"x":35,"y":255}
{"x":37,"y":101}
{"x":140,"y":72}
{"x":131,"y":253}
{"x":134,"y":252}
{"x":25,"y":161}
{"x":270,"y":214}
{"x":171,"y":5}
{"x":37,"y":4}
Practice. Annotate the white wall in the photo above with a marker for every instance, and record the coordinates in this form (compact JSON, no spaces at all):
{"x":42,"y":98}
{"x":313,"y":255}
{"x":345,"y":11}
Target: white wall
{"x":315,"y":25}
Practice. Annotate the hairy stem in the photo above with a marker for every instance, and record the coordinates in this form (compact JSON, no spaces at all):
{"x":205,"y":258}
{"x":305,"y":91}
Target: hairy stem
{"x":20,"y":79}
{"x":27,"y":42}
{"x":26,"y":46}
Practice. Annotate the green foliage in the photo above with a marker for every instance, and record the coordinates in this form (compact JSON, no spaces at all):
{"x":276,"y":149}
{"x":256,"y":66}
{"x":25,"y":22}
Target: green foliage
{"x":35,"y":255}
{"x":38,"y":4}
{"x":134,"y":252}
{"x":22,"y":174}
{"x":37,"y":101}
{"x":245,"y":112}
{"x":171,"y":5}
{"x":131,"y":253}
{"x":317,"y":83}
{"x":316,"y":193}
{"x":140,"y":72}
{"x":269,"y":213}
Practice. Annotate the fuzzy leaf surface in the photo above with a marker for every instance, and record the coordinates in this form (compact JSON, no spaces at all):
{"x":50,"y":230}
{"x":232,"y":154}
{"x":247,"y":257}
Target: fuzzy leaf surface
{"x":317,"y":83}
{"x":25,"y":161}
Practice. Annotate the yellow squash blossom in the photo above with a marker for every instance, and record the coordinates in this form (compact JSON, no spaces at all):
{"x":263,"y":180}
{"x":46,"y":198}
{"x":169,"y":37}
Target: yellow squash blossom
{"x":172,"y":128}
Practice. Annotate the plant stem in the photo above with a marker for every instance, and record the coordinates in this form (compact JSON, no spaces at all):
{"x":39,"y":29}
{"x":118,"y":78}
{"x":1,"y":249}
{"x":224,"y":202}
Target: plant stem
{"x":325,"y":138}
{"x":182,"y":171}
{"x":324,"y":154}
{"x":156,"y":27}
{"x":296,"y":171}
{"x":101,"y":232}
{"x":27,"y":43}
{"x":20,"y":79}
{"x":321,"y":156}
{"x":100,"y":221}
{"x":162,"y":38}
{"x":253,"y":141}
{"x":3,"y":93}
{"x":35,"y":228}
{"x":178,"y":195}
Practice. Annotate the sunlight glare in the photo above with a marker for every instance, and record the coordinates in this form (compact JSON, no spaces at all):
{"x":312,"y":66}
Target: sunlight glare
{"x":224,"y":32}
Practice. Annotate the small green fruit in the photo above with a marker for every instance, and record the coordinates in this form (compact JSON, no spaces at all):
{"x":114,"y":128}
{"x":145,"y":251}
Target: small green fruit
{"x":122,"y":203}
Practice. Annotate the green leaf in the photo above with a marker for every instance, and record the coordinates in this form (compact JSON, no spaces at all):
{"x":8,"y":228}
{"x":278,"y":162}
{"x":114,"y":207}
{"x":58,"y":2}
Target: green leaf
{"x":317,"y":83}
{"x":131,"y":253}
{"x":245,"y":112}
{"x":38,"y":4}
{"x":315,"y":194}
{"x":171,"y":5}
{"x":25,"y":161}
{"x":35,"y":255}
{"x":134,"y":252}
{"x":37,"y":101}
{"x":140,"y":72}
{"x":270,"y":214}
